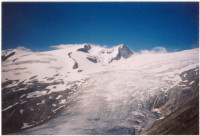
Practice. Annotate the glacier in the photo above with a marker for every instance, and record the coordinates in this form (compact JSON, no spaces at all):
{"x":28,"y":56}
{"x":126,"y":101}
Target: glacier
{"x":111,"y":96}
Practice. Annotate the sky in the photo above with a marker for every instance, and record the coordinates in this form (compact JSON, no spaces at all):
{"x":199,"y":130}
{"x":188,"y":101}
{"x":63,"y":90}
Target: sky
{"x":139,"y":25}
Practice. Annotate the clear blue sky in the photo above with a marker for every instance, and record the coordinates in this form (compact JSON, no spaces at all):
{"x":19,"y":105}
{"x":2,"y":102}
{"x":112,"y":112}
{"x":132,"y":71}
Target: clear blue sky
{"x":37,"y":26}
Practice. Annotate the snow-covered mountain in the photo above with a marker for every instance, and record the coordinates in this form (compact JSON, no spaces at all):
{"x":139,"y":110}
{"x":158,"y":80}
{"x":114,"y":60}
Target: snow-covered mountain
{"x":72,"y":61}
{"x":89,"y":89}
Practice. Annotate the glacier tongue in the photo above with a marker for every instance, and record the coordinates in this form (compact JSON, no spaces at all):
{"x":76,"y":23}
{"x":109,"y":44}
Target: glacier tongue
{"x":107,"y":103}
{"x":110,"y":102}
{"x":114,"y":98}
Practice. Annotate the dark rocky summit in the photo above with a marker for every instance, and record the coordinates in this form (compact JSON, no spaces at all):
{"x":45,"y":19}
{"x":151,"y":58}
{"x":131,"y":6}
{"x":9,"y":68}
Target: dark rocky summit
{"x":85,"y":49}
{"x":124,"y":52}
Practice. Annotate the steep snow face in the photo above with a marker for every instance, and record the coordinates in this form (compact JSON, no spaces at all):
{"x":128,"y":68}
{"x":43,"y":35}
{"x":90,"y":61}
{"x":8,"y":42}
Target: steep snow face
{"x":114,"y":98}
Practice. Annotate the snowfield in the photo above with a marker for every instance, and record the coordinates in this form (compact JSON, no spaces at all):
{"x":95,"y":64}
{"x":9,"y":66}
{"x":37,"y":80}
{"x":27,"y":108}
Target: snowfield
{"x":112,"y":94}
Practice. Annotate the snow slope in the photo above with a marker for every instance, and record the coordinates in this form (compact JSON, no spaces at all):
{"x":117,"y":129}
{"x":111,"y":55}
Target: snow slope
{"x":112,"y":95}
{"x":46,"y":64}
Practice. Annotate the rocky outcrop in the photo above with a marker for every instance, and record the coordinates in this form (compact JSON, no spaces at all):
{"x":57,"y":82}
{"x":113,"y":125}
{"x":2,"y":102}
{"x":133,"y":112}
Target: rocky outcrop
{"x":92,"y":59}
{"x":20,"y":112}
{"x":80,"y":70}
{"x":69,"y":54}
{"x":75,"y":66}
{"x":182,"y":93}
{"x":85,"y":49}
{"x":5,"y":57}
{"x":176,"y":105}
{"x":183,"y":121}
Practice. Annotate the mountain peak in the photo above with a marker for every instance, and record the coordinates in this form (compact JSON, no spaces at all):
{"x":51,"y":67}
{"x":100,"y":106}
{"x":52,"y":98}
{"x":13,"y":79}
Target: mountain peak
{"x":124,"y":51}
{"x":122,"y":45}
{"x":85,"y":49}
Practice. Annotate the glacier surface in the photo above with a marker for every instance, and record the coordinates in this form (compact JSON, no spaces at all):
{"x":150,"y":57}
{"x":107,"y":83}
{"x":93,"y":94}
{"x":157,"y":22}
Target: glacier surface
{"x":112,"y":98}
